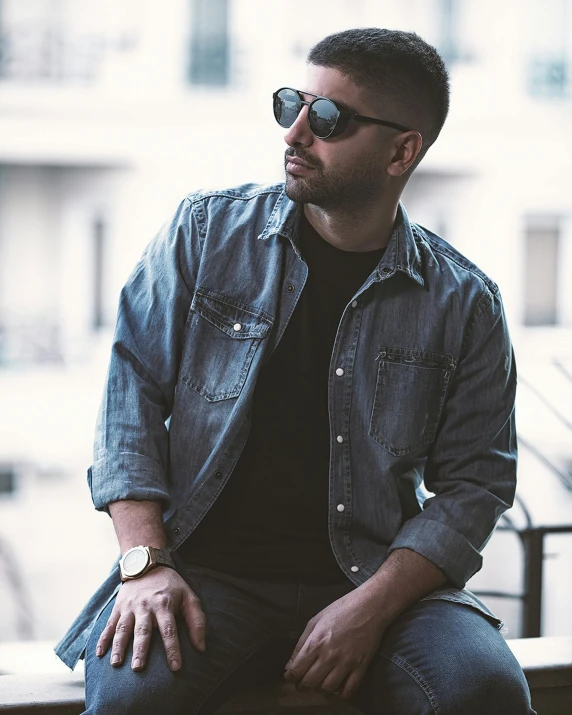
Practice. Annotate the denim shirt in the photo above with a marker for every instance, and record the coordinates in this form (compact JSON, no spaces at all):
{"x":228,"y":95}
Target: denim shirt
{"x":426,"y":396}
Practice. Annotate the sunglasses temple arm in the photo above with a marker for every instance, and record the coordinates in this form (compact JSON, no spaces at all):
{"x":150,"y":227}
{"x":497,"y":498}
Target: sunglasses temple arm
{"x":361,"y":118}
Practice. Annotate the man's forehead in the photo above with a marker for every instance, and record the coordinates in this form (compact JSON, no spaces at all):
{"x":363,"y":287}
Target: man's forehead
{"x":333,"y":84}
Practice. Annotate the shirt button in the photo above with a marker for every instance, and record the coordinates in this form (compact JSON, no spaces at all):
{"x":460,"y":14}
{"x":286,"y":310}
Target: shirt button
{"x":339,"y":372}
{"x":176,"y":531}
{"x":218,"y":475}
{"x":340,"y":438}
{"x":290,"y":288}
{"x":355,"y":569}
{"x":354,"y":304}
{"x":341,"y":507}
{"x":237,"y":327}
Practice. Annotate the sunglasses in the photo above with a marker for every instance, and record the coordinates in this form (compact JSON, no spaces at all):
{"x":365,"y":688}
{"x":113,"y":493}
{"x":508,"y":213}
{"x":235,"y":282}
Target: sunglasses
{"x":326,"y":118}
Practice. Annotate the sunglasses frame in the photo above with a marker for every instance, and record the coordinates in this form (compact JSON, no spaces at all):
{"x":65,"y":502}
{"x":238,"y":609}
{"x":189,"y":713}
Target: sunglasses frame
{"x":344,"y":117}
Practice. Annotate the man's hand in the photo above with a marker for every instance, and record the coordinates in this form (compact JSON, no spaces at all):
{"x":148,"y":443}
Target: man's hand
{"x":337,"y":645}
{"x":147,"y":602}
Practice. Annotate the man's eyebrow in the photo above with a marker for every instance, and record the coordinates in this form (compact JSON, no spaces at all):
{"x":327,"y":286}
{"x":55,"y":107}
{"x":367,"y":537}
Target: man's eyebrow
{"x":334,"y":99}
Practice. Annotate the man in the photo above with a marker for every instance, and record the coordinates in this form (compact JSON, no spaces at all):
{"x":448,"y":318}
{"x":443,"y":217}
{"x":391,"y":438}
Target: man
{"x":289,"y":364}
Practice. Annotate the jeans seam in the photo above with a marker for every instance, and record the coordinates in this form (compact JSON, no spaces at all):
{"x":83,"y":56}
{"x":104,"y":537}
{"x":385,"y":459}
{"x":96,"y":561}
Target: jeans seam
{"x":219,"y":684}
{"x":416,"y":675}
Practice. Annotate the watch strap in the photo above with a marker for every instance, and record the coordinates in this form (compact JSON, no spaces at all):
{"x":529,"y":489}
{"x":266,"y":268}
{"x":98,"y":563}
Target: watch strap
{"x":161,"y":557}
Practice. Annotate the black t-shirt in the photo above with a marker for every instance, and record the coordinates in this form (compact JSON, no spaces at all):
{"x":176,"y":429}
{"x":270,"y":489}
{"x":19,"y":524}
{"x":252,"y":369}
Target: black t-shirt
{"x":271,"y":519}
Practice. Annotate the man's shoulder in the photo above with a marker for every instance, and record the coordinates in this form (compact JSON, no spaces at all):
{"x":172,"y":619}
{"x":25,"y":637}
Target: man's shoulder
{"x":447,"y":255}
{"x":239,"y":193}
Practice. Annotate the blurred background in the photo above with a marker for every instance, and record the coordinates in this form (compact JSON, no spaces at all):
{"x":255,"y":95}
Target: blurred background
{"x":111,"y":112}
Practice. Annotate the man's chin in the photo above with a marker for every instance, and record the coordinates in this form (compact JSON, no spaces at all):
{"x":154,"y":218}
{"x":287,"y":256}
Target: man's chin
{"x":296,"y":189}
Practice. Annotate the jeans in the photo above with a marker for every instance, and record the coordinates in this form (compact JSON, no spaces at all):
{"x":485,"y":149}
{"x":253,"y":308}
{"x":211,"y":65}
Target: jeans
{"x":438,"y":657}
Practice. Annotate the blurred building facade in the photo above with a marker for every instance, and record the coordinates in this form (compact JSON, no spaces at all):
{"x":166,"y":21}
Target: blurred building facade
{"x":111,"y":112}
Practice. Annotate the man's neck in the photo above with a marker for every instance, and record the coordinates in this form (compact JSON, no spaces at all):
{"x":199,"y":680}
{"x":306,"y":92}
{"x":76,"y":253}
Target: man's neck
{"x":365,"y":230}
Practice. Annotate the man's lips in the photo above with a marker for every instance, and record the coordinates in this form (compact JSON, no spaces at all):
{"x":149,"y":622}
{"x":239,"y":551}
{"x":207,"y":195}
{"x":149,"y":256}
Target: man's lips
{"x":295,"y":160}
{"x":294,"y":165}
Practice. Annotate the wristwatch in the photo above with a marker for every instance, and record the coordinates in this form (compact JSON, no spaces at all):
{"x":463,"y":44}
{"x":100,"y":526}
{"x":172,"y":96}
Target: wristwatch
{"x":140,"y":559}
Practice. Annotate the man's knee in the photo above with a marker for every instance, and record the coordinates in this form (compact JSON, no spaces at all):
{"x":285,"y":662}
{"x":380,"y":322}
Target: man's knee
{"x":395,"y":686}
{"x":122,"y":691}
{"x":499,"y":689}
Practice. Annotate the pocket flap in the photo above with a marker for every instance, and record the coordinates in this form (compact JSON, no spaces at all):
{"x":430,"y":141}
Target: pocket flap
{"x":422,"y":358}
{"x":229,"y":315}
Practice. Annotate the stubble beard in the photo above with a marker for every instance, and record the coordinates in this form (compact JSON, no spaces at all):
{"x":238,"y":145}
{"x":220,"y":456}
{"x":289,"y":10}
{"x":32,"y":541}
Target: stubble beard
{"x":336,"y":189}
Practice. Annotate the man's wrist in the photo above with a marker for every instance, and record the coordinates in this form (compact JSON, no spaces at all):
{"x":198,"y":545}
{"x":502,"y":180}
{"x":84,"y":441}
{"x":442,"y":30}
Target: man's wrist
{"x":403,"y":579}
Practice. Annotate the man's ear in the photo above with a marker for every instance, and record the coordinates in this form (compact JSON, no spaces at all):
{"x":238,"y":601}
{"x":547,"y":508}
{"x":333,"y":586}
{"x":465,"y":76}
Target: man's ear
{"x":406,"y":148}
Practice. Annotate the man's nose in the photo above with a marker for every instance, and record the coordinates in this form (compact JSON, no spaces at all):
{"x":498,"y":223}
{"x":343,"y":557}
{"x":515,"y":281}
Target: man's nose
{"x":299,"y":132}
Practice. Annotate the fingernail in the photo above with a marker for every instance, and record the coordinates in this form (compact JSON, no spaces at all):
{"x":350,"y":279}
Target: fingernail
{"x":174,"y":665}
{"x":114,"y":659}
{"x":137,"y":663}
{"x":98,"y":650}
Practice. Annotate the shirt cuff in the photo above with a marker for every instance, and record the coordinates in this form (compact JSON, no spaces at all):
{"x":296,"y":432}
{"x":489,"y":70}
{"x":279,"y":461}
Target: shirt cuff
{"x":126,"y":475}
{"x":441,"y":545}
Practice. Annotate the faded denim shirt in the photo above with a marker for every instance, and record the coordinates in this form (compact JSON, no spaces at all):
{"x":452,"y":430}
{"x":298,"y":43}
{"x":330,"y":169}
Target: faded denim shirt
{"x":426,"y":396}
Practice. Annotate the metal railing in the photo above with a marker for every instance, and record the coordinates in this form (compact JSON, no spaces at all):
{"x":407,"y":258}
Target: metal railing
{"x":532,"y":541}
{"x":532,"y":537}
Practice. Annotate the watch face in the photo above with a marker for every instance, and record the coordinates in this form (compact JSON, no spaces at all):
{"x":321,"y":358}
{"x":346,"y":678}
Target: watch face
{"x":135,"y":561}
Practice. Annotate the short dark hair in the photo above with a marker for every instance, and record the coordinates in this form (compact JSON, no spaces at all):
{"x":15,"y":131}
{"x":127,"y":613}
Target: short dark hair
{"x":400,"y":66}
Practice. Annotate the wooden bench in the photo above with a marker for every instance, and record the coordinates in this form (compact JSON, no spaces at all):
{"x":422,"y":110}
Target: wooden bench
{"x":547,"y":665}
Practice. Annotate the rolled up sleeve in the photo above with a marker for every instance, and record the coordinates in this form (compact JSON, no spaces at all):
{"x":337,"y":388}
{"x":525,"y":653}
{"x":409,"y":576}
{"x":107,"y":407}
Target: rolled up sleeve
{"x":471,"y":468}
{"x":131,"y":443}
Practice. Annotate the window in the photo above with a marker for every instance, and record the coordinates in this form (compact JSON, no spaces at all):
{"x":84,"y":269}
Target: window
{"x":7,"y":479}
{"x":549,"y":39}
{"x":449,"y":30}
{"x":99,"y":227}
{"x":209,"y":42}
{"x":542,"y":243}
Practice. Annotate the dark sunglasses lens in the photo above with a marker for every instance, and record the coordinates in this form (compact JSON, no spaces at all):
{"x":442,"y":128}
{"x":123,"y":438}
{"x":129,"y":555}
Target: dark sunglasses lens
{"x":323,"y":117}
{"x":286,"y":107}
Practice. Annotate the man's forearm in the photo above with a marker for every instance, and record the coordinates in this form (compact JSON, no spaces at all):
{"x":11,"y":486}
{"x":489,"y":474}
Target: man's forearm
{"x":138,"y":523}
{"x":402,"y":580}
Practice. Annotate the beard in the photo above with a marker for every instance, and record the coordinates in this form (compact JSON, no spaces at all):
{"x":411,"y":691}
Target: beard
{"x":336,"y":187}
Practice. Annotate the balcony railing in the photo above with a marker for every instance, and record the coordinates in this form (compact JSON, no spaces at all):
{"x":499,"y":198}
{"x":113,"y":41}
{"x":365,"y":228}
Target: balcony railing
{"x":35,"y":51}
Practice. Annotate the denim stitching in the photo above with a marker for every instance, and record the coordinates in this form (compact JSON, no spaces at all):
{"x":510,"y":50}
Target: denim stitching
{"x":217,"y":297}
{"x":417,"y":677}
{"x":202,"y":196}
{"x":430,"y":428}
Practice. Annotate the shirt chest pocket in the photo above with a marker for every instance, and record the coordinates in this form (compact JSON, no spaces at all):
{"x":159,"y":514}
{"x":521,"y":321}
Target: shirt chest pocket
{"x":222,"y":338}
{"x":409,"y":395}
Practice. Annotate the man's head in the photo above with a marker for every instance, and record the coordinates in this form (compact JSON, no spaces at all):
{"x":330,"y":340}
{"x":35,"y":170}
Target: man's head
{"x":404,"y":77}
{"x":390,"y":75}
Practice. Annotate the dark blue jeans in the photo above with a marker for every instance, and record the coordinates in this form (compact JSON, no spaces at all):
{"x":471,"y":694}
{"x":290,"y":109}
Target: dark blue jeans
{"x":438,"y":657}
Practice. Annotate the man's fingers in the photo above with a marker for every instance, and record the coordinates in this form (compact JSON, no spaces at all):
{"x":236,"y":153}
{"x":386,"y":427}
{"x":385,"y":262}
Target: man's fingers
{"x":107,"y":634}
{"x":352,"y":682}
{"x":300,"y":644}
{"x":196,"y":621}
{"x":334,"y":681}
{"x":141,"y":640}
{"x":168,"y":630}
{"x":123,"y":632}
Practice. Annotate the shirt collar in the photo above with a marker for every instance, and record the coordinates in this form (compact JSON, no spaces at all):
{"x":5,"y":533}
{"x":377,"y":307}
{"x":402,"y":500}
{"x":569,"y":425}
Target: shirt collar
{"x":402,"y":252}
